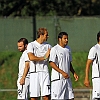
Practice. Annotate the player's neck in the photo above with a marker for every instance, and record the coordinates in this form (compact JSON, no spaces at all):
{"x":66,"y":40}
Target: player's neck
{"x":63,"y":46}
{"x":39,"y":40}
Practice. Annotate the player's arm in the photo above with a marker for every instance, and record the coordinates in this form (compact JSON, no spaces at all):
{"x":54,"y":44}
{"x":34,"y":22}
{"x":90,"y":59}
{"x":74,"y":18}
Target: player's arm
{"x":26,"y":69}
{"x":54,"y":66}
{"x":73,"y":72}
{"x":86,"y":80}
{"x":32,"y":57}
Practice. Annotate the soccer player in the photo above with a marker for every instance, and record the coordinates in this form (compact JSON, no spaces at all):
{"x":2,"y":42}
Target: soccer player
{"x":60,"y":61}
{"x":94,"y":60}
{"x":38,"y":52}
{"x":23,"y":75}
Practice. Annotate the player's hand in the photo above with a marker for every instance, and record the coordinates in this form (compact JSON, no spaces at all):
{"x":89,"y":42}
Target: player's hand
{"x":65,"y":75}
{"x":22,"y":81}
{"x":76,"y":77}
{"x":86,"y":83}
{"x":47,"y":54}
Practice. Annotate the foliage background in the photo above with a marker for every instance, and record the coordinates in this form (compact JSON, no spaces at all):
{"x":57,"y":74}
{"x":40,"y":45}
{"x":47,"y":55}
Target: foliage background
{"x":33,"y":8}
{"x":9,"y":72}
{"x":49,"y":7}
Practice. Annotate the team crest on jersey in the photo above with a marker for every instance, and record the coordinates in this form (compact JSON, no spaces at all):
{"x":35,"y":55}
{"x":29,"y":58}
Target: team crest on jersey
{"x":98,"y":94}
{"x":61,"y":54}
{"x":55,"y":95}
{"x":45,"y":48}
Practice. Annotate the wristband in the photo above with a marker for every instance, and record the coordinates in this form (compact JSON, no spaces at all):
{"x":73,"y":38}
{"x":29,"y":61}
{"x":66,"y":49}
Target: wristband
{"x":45,"y":57}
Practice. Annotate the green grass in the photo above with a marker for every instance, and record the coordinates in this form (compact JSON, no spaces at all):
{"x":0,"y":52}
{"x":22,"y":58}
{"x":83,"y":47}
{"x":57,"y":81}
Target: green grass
{"x":8,"y":74}
{"x":9,"y":71}
{"x":79,"y":62}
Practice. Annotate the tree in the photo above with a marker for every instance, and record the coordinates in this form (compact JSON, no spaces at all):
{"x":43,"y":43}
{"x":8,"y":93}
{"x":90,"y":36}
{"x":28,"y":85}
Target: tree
{"x":49,"y":7}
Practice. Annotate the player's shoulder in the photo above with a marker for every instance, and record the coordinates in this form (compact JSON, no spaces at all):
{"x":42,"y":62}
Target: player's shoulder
{"x":32,"y":43}
{"x":68,"y":47}
{"x":55,"y":47}
{"x":94,"y":47}
{"x":47,"y":44}
{"x":24,"y":53}
{"x":97,"y":46}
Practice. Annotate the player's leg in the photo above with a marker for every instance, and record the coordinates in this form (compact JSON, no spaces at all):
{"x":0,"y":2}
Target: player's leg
{"x":70,"y":99}
{"x":34,"y":86}
{"x":97,"y":99}
{"x":69,"y":89}
{"x":21,"y":91}
{"x":34,"y":98}
{"x":20,"y":99}
{"x":27,"y":85}
{"x":59,"y":90}
{"x":96,"y":89}
{"x":46,"y":97}
{"x":45,"y":85}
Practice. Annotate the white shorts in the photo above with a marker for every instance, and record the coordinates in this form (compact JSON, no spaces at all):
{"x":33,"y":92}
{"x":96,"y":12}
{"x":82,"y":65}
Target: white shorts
{"x":39,"y":82}
{"x":62,"y":89}
{"x":96,"y":88}
{"x":23,"y":90}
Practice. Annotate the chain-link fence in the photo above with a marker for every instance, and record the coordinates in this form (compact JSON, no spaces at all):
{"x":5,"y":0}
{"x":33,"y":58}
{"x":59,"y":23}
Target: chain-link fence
{"x":80,"y":94}
{"x":82,"y":30}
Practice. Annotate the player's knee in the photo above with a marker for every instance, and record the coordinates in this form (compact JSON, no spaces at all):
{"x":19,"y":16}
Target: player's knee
{"x":47,"y":97}
{"x":34,"y":98}
{"x":70,"y":99}
{"x":20,"y":99}
{"x":97,"y":99}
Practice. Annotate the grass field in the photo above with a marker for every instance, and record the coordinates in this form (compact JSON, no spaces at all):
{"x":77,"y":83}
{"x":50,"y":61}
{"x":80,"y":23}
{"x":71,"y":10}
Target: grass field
{"x":9,"y":72}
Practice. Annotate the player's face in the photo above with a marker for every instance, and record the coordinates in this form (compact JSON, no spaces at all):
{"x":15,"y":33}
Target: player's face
{"x":21,"y":46}
{"x":64,"y":40}
{"x":45,"y":36}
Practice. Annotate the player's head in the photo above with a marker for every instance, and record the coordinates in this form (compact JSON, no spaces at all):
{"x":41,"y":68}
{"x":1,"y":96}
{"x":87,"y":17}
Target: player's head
{"x":98,"y":37}
{"x":22,"y":44}
{"x":63,"y":38}
{"x":42,"y":33}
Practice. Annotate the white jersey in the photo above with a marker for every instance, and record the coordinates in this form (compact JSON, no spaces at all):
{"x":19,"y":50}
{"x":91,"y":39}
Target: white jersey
{"x":23,"y":59}
{"x":62,"y":57}
{"x":38,"y":50}
{"x":94,"y":54}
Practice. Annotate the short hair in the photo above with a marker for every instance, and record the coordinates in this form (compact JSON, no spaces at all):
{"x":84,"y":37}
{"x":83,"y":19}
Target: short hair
{"x":41,"y":31}
{"x":60,"y":35}
{"x":24,"y":40}
{"x":98,"y":35}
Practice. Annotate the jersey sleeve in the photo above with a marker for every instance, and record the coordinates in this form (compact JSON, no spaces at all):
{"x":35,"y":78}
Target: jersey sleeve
{"x":52,"y":55}
{"x":92,"y":53}
{"x":26,"y":57}
{"x":70,"y":55}
{"x":30,"y":48}
{"x":50,"y":46}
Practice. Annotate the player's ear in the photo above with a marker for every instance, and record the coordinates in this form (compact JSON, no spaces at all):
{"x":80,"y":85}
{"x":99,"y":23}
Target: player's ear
{"x":25,"y":45}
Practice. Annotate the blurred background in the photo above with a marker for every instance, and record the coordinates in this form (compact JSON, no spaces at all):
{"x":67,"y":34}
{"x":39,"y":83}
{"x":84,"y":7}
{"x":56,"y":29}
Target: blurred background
{"x":21,"y":18}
